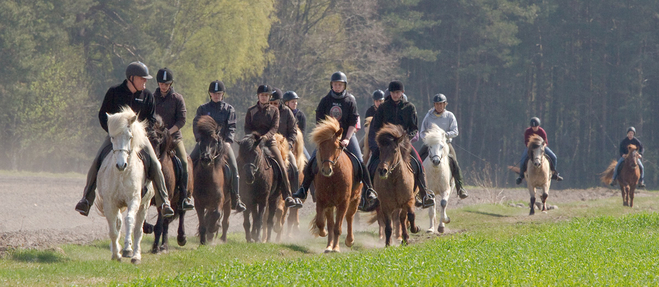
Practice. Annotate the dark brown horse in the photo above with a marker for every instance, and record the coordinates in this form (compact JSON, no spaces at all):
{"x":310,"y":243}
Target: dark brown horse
{"x":628,"y":175}
{"x":394,"y":181}
{"x":211,"y":190}
{"x":337,"y":190}
{"x":260,"y":187}
{"x":163,"y":145}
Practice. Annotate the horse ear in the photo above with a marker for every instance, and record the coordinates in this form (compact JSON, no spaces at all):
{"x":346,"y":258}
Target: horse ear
{"x":339,"y":133}
{"x":132,"y":119}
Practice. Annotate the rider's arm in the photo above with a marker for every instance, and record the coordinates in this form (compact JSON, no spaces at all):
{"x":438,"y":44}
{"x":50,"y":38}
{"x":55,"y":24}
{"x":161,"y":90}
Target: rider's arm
{"x":453,"y":128}
{"x":275,"y":125}
{"x":376,"y":124}
{"x":102,"y":112}
{"x":181,"y":113}
{"x":413,"y":127}
{"x":231,"y":125}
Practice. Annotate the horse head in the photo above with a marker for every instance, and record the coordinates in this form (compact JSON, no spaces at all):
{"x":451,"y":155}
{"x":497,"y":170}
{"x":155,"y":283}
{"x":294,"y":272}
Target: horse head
{"x":436,"y":141}
{"x":536,"y":147}
{"x":159,"y":136}
{"x":327,"y":136}
{"x":249,"y":152}
{"x":127,"y":135}
{"x":394,"y":148}
{"x":211,"y":143}
{"x":632,"y":156}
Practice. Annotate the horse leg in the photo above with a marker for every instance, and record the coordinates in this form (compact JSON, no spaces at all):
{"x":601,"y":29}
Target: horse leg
{"x":443,"y":219}
{"x":330,"y":229}
{"x":350,"y":218}
{"x":180,"y":239}
{"x":320,"y":220}
{"x":269,"y":217}
{"x":544,"y":200}
{"x":631,"y":195}
{"x":212,"y":223}
{"x":140,"y":216}
{"x":129,"y":225}
{"x":280,"y":215}
{"x":532,"y":192}
{"x":338,"y":224}
{"x":157,"y":233}
{"x":113,"y":217}
{"x":411,"y":218}
{"x":381,"y":224}
{"x":202,"y":222}
{"x":432,"y":219}
{"x":402,"y":217}
{"x":246,"y":224}
{"x":396,"y":225}
{"x":293,"y":222}
{"x":624,"y":195}
{"x":225,"y":220}
{"x":165,"y":235}
{"x":387,"y":228}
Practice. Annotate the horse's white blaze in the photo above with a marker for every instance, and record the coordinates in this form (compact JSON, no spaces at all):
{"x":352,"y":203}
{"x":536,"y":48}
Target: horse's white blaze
{"x":119,"y":189}
{"x":438,"y":176}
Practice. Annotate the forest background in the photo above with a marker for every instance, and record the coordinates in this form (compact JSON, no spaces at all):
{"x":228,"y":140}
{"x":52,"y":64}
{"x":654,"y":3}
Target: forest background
{"x":589,"y":69}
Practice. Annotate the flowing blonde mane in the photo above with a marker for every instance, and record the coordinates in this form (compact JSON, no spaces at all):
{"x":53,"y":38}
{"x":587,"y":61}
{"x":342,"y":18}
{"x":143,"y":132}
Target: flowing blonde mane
{"x":118,"y":122}
{"x":325,"y":130}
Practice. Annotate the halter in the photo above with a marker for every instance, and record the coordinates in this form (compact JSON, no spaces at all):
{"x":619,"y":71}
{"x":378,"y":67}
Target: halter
{"x":333,"y":162}
{"x":393,"y":167}
{"x":433,"y":156}
{"x":256,"y":165}
{"x":217,"y":145}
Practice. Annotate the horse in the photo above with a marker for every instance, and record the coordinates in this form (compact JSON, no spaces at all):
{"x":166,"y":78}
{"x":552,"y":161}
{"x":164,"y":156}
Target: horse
{"x":538,"y":172}
{"x":337,"y":190}
{"x":301,"y":161}
{"x":363,"y":144}
{"x":260,"y":186}
{"x":163,"y":145}
{"x":211,"y":190}
{"x":121,"y":179}
{"x":394,"y":181}
{"x":439,"y":174}
{"x":628,"y":175}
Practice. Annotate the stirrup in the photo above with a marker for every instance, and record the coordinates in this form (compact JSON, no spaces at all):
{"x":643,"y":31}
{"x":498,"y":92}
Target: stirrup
{"x":368,"y":205}
{"x":301,"y":193}
{"x":239,"y":206}
{"x":187,"y":204}
{"x":166,"y":210}
{"x":428,"y":201}
{"x":290,"y":202}
{"x":641,"y":184}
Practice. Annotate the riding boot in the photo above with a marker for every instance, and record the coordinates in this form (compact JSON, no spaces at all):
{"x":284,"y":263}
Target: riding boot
{"x":309,"y":175}
{"x":156,"y":176}
{"x":522,"y":170}
{"x":84,"y":205}
{"x":427,"y":195}
{"x":554,"y":174}
{"x":289,"y":201}
{"x":185,"y":200}
{"x":236,"y":203}
{"x":641,"y":180}
{"x":369,"y":200}
{"x":457,"y":177}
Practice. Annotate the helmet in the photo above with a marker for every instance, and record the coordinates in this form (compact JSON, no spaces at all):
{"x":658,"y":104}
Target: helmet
{"x":439,"y":98}
{"x":631,"y":129}
{"x":378,"y":95}
{"x":165,"y":76}
{"x":137,"y":69}
{"x":216,"y":86}
{"x":276,"y":95}
{"x":264,"y":89}
{"x":339,"y":77}
{"x":396,"y":86}
{"x":290,"y":95}
{"x":535,"y":122}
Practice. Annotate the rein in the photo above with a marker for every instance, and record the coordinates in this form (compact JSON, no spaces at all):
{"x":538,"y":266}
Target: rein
{"x":333,"y":162}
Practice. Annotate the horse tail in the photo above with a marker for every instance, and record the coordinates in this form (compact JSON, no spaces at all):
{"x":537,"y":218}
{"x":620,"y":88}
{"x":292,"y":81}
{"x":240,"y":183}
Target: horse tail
{"x":607,"y":175}
{"x":284,"y":149}
{"x":301,"y":160}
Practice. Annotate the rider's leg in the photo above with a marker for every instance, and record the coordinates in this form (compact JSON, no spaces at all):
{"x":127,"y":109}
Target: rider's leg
{"x":423,"y":152}
{"x":427,"y":195}
{"x":615,"y":171}
{"x":89,"y":193}
{"x":286,"y":188}
{"x":456,"y":172}
{"x":308,"y":177}
{"x":294,"y":176}
{"x":155,"y":174}
{"x":641,"y":181}
{"x":522,"y":165}
{"x":185,"y":198}
{"x":554,"y":162}
{"x":236,"y":204}
{"x":369,"y":196}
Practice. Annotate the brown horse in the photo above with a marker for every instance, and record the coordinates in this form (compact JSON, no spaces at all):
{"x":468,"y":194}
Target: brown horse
{"x":538,"y":173}
{"x":211,"y":190}
{"x":337,"y":190}
{"x":395,"y":181}
{"x":163,"y":145}
{"x":260,"y":187}
{"x":301,"y":161}
{"x":628,"y":175}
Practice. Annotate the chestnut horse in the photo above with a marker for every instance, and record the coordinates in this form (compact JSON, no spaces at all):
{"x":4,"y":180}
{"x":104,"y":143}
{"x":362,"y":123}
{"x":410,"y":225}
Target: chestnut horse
{"x":394,"y":181}
{"x":337,"y":190}
{"x":211,"y":190}
{"x":163,"y":145}
{"x":301,"y":161}
{"x":628,"y":175}
{"x":260,"y":187}
{"x":538,"y":172}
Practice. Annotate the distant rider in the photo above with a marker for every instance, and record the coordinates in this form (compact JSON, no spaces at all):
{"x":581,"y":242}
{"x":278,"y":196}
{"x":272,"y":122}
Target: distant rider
{"x":630,"y":139}
{"x":537,"y":130}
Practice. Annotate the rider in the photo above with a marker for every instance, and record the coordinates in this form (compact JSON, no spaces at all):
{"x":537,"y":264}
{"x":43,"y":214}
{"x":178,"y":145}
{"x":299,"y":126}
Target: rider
{"x":398,"y":111}
{"x":446,"y":121}
{"x":264,"y":119}
{"x":225,"y":116}
{"x":378,"y":99}
{"x":290,"y":99}
{"x":288,"y":129}
{"x":133,"y":93}
{"x":341,"y":105}
{"x":536,"y":129}
{"x":630,"y":139}
{"x":170,"y":106}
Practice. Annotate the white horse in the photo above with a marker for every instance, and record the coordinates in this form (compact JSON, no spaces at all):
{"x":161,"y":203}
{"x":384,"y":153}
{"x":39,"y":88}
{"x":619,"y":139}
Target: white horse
{"x":120,"y":182}
{"x":438,"y":173}
{"x":538,"y":172}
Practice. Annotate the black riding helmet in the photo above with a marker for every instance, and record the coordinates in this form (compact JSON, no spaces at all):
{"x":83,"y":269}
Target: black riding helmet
{"x":216,"y":87}
{"x":339,"y":77}
{"x":138,"y":69}
{"x":439,"y":98}
{"x":165,"y":75}
{"x":290,"y":95}
{"x":632,"y":129}
{"x":535,"y":122}
{"x":378,"y":95}
{"x":276,"y":95}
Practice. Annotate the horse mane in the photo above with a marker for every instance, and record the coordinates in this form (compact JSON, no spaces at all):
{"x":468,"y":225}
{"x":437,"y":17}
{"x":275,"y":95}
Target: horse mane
{"x":284,"y":148}
{"x":325,"y":130}
{"x":631,"y":148}
{"x":367,"y":121}
{"x":391,"y":134}
{"x":159,"y":136}
{"x":434,"y":136}
{"x":207,"y":127}
{"x":249,"y":140}
{"x":119,"y":121}
{"x":535,"y":141}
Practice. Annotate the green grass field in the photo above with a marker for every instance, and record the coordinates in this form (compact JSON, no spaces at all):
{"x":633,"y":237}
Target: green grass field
{"x":584,"y":243}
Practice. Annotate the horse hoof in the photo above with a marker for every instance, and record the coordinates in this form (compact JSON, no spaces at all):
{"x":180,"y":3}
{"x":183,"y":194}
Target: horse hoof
{"x":440,"y":229}
{"x":127,"y":253}
{"x":322,"y":233}
{"x":181,"y":240}
{"x":147,"y":228}
{"x":328,"y":250}
{"x":350,"y":243}
{"x":336,"y":250}
{"x":430,"y":230}
{"x":154,"y":250}
{"x":532,"y":212}
{"x":415,"y":229}
{"x":135,"y":261}
{"x":448,"y":220}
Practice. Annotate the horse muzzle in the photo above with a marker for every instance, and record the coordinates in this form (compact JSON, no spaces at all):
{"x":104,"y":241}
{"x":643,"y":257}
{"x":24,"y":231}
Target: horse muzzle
{"x":327,"y":172}
{"x":384,"y":173}
{"x":436,"y":160}
{"x":121,"y":167}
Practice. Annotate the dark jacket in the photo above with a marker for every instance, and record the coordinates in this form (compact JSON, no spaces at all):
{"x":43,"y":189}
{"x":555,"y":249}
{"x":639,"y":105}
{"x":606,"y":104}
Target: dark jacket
{"x":262,"y":119}
{"x":626,"y":142}
{"x":344,"y":109}
{"x":118,"y":96}
{"x":301,"y":120}
{"x":370,"y":112}
{"x":402,"y":113}
{"x":223,"y":114}
{"x":287,"y":124}
{"x":171,"y":108}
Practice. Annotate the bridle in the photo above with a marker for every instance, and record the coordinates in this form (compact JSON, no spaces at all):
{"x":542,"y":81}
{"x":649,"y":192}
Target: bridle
{"x":336,"y":158}
{"x":253,"y":167}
